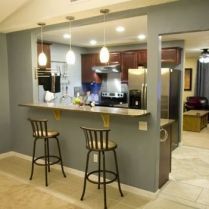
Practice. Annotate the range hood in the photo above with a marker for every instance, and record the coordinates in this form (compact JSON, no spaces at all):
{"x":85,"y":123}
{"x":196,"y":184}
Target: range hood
{"x":107,"y":69}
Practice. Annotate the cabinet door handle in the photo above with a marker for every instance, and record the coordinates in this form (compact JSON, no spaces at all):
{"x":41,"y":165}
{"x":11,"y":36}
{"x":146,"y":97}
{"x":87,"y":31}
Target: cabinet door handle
{"x":163,"y":135}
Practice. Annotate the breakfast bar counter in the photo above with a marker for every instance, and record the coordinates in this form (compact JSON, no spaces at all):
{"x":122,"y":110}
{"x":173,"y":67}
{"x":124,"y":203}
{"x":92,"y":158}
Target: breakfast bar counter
{"x":85,"y":108}
{"x":130,"y":130}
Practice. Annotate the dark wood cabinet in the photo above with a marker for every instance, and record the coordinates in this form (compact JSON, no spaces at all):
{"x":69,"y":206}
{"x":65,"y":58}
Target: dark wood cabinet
{"x":46,"y":49}
{"x":87,"y":62}
{"x":142,"y":57}
{"x":115,"y":58}
{"x":128,"y":60}
{"x":165,"y":157}
{"x":171,"y":56}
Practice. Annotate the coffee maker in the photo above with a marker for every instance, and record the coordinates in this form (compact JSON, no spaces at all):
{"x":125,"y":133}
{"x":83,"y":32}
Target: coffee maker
{"x":135,"y":99}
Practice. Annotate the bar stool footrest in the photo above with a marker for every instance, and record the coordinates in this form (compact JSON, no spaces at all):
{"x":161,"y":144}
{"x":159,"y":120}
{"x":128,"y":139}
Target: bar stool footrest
{"x":58,"y":159}
{"x":101,"y":171}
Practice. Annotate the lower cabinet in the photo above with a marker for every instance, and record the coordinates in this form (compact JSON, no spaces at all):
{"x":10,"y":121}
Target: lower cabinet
{"x":165,"y":154}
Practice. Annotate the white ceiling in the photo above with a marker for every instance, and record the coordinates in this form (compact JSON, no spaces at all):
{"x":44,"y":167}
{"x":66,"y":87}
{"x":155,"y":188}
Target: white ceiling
{"x":8,"y":7}
{"x":82,"y":35}
{"x":23,"y":14}
{"x":194,"y":41}
{"x":19,"y":16}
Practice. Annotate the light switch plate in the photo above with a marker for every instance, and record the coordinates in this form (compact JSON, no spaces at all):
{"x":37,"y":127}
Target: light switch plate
{"x":143,"y":126}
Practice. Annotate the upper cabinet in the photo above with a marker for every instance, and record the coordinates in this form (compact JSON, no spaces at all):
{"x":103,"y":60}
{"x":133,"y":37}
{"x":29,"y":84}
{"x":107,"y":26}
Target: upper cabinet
{"x":87,"y":62}
{"x":171,"y":56}
{"x":142,"y":57}
{"x":90,"y":60}
{"x":46,"y":49}
{"x":128,"y":60}
{"x":115,"y":58}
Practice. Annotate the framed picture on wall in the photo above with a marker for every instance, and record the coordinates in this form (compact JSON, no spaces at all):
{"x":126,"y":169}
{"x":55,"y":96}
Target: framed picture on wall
{"x":188,"y":79}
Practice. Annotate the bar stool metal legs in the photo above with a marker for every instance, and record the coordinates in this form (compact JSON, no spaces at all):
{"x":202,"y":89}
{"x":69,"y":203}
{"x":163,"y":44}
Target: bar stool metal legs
{"x":46,"y":161}
{"x":97,"y":140}
{"x":117,"y":172}
{"x":85,"y":177}
{"x":40,"y":131}
{"x":60,"y":156}
{"x":46,"y":158}
{"x":33,"y":158}
{"x":104,"y":180}
{"x":99,"y":175}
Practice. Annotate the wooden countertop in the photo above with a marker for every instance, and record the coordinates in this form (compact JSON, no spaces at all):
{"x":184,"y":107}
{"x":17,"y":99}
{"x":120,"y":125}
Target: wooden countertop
{"x":102,"y":110}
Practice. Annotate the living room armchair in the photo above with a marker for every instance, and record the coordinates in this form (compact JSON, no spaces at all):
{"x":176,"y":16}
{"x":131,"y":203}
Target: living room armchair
{"x":196,"y":103}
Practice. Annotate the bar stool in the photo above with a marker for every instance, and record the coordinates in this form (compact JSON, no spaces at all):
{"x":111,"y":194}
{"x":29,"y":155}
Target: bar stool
{"x":97,"y":140}
{"x":40,"y":131}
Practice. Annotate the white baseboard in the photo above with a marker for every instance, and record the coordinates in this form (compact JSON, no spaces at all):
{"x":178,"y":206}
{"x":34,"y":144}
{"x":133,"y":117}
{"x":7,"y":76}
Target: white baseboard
{"x":79,"y":173}
{"x":6,"y":154}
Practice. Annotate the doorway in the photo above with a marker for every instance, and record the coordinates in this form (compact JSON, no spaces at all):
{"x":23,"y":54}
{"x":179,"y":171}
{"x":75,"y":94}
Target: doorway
{"x":189,"y":177}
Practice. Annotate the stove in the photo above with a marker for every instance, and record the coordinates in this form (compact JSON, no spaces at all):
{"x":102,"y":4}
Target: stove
{"x":109,"y":99}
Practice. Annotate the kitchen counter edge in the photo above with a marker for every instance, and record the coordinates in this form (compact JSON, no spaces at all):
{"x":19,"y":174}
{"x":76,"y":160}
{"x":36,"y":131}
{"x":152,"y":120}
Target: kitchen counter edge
{"x":96,"y":109}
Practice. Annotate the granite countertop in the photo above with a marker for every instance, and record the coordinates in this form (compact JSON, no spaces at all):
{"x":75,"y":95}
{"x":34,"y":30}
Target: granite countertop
{"x":97,"y":109}
{"x":166,"y":122}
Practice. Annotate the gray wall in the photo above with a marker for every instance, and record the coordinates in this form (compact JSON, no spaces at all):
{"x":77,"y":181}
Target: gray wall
{"x":138,"y":151}
{"x":5,"y":140}
{"x":58,"y":53}
{"x":21,"y":87}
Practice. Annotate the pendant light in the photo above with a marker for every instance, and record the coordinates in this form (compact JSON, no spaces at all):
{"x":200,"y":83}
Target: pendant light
{"x":42,"y":58}
{"x":70,"y":56}
{"x":204,"y":57}
{"x":104,"y":54}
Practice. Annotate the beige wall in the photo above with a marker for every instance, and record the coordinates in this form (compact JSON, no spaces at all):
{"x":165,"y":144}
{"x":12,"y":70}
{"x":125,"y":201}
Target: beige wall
{"x":191,"y":63}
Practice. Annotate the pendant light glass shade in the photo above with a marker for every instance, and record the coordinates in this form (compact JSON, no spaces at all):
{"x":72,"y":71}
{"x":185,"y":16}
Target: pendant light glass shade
{"x":70,"y":56}
{"x":104,"y":54}
{"x":42,"y":58}
{"x":204,"y":57}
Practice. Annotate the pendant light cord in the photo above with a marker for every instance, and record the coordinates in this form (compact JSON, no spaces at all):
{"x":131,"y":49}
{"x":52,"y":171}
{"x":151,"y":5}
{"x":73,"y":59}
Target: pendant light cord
{"x":42,"y":47}
{"x":104,"y":29}
{"x":70,"y":33}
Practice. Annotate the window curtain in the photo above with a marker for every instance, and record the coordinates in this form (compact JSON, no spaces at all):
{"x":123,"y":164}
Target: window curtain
{"x":202,"y":81}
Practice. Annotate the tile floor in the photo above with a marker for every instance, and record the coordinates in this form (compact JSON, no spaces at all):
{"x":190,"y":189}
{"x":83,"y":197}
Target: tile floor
{"x":187,"y":189}
{"x":197,"y":139}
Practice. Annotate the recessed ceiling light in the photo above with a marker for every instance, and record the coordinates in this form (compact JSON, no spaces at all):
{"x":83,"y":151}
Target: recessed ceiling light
{"x":93,"y":42}
{"x":66,"y":36}
{"x":120,"y":29}
{"x":141,"y":36}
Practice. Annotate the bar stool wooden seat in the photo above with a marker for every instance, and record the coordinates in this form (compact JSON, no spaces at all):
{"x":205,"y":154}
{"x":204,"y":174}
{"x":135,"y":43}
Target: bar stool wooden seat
{"x":40,"y":131}
{"x":97,"y":140}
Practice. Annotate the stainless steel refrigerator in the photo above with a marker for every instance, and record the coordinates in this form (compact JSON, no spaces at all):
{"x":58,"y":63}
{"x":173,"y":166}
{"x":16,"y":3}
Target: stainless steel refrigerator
{"x":137,"y":86}
{"x":170,"y":95}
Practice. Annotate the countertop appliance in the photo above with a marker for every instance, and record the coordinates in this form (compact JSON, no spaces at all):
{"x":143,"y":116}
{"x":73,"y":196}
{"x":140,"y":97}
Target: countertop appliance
{"x":109,"y":99}
{"x":135,"y":99}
